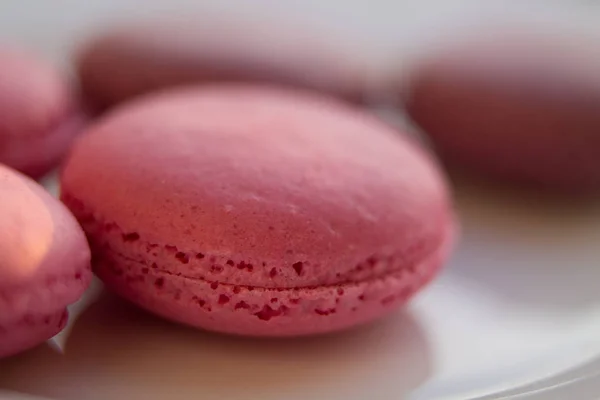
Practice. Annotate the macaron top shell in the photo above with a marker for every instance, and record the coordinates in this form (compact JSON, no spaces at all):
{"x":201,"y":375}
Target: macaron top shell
{"x":41,"y":246}
{"x":33,"y":96}
{"x":287,"y":188}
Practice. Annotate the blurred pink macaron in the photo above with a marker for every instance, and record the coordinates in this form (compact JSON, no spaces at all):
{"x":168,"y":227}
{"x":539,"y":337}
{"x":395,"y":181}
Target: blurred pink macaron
{"x":39,"y":114}
{"x":138,"y":58}
{"x":44,"y":263}
{"x":517,"y":106}
{"x":258,"y":211}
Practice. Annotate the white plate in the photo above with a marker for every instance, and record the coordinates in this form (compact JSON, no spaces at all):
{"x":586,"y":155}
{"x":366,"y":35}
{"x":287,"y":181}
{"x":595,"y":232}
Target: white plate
{"x":518,"y":303}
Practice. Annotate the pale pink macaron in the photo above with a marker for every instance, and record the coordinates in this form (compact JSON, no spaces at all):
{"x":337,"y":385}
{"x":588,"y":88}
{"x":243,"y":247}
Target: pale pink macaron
{"x":44,"y":263}
{"x":258,"y":211}
{"x":39,"y":114}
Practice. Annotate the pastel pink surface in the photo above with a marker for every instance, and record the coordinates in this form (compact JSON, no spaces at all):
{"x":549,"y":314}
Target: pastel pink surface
{"x":271,"y":193}
{"x":39,"y":117}
{"x":44,"y":263}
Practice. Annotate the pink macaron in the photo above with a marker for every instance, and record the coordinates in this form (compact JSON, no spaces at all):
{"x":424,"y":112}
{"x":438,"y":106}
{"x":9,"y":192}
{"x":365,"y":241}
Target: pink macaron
{"x":44,"y":263}
{"x":519,"y":107}
{"x":138,"y":58}
{"x":258,"y":211}
{"x":40,"y":115}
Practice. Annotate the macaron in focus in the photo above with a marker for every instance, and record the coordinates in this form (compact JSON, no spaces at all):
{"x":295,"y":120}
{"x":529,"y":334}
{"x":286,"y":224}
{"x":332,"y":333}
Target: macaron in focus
{"x":44,"y":263}
{"x":258,"y":211}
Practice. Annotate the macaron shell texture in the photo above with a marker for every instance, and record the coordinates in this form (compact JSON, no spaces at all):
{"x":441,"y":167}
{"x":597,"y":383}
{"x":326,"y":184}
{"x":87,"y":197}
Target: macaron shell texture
{"x":301,"y":180}
{"x":253,"y":187}
{"x":261,"y":311}
{"x":44,"y":259}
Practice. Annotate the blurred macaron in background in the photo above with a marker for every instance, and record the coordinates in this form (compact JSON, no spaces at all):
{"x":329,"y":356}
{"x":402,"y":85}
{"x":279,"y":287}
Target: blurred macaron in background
{"x":41,"y":114}
{"x":138,"y":58}
{"x":515,"y":104}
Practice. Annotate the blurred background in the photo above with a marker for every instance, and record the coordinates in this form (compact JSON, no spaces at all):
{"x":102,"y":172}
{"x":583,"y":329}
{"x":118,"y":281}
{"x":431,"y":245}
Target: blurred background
{"x":380,"y":28}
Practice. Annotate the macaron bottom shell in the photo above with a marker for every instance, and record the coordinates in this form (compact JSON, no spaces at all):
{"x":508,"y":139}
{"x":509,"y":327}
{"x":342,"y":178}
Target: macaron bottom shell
{"x":29,"y":331}
{"x":258,"y":311}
